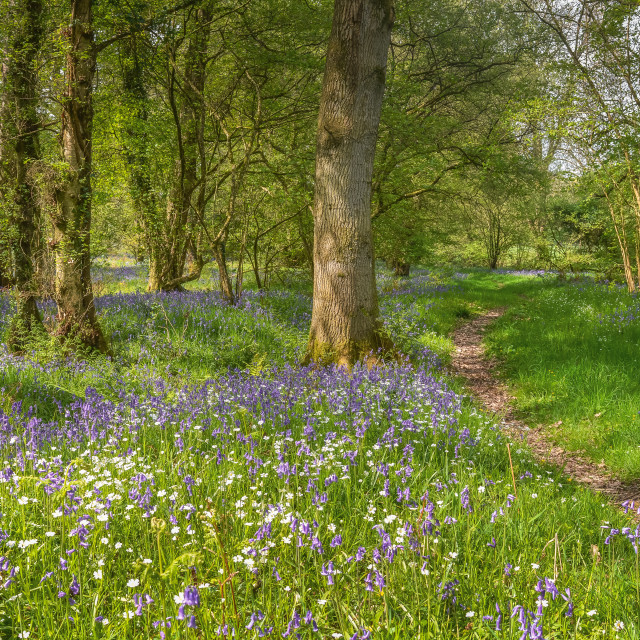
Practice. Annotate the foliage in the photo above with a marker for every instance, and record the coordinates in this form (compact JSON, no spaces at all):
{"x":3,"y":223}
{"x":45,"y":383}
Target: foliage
{"x":280,"y":500}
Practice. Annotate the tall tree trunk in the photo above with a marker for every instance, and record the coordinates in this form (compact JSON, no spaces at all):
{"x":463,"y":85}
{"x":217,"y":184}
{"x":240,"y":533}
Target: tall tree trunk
{"x":168,"y":248}
{"x":136,"y":137}
{"x":20,"y":147}
{"x":72,"y":220}
{"x":345,"y":324}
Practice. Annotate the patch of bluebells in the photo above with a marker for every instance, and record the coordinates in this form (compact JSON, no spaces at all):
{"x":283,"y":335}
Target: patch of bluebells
{"x":422,"y":283}
{"x":107,"y":273}
{"x":531,"y":273}
{"x":625,"y":316}
{"x":288,"y":445}
{"x":248,"y":505}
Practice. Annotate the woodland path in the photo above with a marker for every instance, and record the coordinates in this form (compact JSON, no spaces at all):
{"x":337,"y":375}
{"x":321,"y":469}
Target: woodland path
{"x":470,"y":362}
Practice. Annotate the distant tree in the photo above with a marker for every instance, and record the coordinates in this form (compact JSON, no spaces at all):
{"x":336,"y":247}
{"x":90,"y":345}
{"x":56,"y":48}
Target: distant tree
{"x":494,"y":213}
{"x":457,"y":69}
{"x":345,"y":324}
{"x":170,"y":236}
{"x":597,"y":48}
{"x":134,"y":129}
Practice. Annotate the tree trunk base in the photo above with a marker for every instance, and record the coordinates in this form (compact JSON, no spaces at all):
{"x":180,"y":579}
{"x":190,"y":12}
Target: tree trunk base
{"x":173,"y":279}
{"x":85,"y":336}
{"x":370,"y":352}
{"x":400,"y":268}
{"x":156,"y":288}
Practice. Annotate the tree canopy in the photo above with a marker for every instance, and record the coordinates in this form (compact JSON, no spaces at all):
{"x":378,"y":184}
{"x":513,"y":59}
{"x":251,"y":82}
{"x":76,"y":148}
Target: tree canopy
{"x":184,"y":133}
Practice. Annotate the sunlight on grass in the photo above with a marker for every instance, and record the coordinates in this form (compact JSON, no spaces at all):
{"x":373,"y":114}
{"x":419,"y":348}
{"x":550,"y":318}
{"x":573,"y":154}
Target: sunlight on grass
{"x":202,"y":484}
{"x":571,"y":354}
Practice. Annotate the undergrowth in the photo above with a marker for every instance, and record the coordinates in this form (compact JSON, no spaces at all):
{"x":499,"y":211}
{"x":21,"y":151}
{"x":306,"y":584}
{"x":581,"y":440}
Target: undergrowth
{"x":202,"y":484}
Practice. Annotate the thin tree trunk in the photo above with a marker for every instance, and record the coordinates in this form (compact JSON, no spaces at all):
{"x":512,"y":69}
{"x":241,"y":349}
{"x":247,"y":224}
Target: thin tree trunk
{"x":622,"y":243}
{"x":621,"y":235}
{"x":77,"y":319}
{"x":636,"y":210}
{"x":20,"y":147}
{"x":168,"y":248}
{"x":345,"y":324}
{"x":136,"y":139}
{"x":255,"y":263}
{"x":226,"y":286}
{"x":240,"y":270}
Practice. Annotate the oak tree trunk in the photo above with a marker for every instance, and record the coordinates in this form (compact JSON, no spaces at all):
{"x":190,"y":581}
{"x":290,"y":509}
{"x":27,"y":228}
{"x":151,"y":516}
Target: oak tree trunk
{"x":19,"y":149}
{"x":345,"y":325}
{"x":72,"y":219}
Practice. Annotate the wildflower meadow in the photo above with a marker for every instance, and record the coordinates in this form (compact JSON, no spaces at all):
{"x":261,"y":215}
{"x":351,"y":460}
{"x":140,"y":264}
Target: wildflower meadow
{"x":201,"y":483}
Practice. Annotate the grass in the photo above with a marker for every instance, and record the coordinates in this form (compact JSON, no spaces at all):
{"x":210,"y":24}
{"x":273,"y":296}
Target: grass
{"x":202,"y":484}
{"x":570,"y":352}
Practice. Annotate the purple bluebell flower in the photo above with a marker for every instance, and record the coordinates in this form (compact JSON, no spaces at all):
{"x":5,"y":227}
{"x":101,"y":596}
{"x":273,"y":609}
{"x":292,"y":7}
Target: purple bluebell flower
{"x":316,"y":545}
{"x":369,"y":582}
{"x":74,"y":588}
{"x":191,"y":597}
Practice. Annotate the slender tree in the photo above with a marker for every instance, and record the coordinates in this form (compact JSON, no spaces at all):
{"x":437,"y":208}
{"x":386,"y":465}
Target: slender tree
{"x":345,"y":324}
{"x":72,"y":217}
{"x":171,"y":237}
{"x":19,"y":149}
{"x":135,"y":133}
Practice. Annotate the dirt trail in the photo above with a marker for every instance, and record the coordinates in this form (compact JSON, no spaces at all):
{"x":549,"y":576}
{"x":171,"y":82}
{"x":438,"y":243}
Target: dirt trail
{"x":470,"y":362}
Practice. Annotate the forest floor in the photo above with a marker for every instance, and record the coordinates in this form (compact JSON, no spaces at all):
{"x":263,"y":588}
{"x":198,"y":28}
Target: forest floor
{"x":480,"y":374}
{"x":202,"y":483}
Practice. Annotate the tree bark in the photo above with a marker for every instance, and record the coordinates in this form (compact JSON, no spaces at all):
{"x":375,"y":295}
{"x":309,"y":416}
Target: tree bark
{"x":19,"y":148}
{"x":71,"y":221}
{"x":168,"y":247}
{"x":136,"y":137}
{"x":226,"y":286}
{"x":345,"y":325}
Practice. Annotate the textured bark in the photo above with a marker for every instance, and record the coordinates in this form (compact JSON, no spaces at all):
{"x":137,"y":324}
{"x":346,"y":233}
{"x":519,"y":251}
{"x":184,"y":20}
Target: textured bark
{"x":169,"y":239}
{"x":345,"y":324}
{"x":136,"y":136}
{"x":226,"y":286}
{"x":72,"y":219}
{"x":19,"y":148}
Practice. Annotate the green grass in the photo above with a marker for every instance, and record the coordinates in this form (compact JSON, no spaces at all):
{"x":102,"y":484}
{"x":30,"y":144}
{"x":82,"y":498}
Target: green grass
{"x":185,"y":477}
{"x":568,"y":350}
{"x":574,"y":370}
